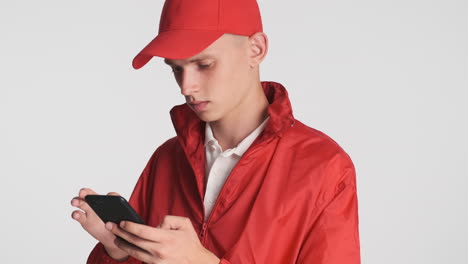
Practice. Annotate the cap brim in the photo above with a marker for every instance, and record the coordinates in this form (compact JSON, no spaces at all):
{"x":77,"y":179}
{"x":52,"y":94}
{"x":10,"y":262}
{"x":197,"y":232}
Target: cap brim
{"x":176,"y":44}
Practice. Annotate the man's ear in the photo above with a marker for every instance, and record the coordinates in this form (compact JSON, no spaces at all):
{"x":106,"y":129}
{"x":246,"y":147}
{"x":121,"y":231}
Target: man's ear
{"x":258,"y":48}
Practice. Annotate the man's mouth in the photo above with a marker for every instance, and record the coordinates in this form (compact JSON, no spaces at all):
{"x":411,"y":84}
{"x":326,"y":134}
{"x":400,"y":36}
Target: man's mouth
{"x":198,"y":106}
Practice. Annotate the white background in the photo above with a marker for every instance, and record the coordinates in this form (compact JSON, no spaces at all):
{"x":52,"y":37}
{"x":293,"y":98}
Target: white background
{"x":386,"y":79}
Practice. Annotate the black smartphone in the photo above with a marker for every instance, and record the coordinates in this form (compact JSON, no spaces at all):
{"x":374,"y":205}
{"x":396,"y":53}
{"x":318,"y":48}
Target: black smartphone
{"x":113,"y":208}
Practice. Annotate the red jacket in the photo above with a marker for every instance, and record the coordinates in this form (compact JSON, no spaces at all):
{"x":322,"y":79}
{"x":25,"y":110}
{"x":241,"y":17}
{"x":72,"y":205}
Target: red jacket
{"x":291,"y":198}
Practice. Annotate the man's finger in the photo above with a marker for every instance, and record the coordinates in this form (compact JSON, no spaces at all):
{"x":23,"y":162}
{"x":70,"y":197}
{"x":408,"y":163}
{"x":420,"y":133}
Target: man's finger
{"x":137,"y":241}
{"x":75,"y":201}
{"x":85,"y":191}
{"x":79,"y":216}
{"x":172,"y":222}
{"x":144,"y":231}
{"x":134,"y":251}
{"x":113,"y":193}
{"x":82,"y":204}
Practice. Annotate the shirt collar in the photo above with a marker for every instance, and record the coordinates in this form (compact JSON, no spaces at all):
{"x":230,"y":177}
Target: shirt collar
{"x":210,"y":140}
{"x":242,"y":147}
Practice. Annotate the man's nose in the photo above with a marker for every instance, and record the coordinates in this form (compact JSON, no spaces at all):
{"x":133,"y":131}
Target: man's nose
{"x":189,"y":83}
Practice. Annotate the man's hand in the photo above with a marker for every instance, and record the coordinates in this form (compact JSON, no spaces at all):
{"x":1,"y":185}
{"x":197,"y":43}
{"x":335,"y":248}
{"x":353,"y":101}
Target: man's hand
{"x":173,"y":242}
{"x":94,"y":225}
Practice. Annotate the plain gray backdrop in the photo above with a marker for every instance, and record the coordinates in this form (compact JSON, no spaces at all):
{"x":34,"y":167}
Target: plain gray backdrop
{"x":386,"y":79}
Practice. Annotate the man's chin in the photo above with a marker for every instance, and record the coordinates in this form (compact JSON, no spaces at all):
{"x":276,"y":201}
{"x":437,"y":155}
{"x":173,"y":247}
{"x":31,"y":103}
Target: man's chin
{"x":206,"y":117}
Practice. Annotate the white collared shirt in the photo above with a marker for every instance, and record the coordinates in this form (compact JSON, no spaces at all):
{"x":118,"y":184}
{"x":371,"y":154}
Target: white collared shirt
{"x":219,"y":163}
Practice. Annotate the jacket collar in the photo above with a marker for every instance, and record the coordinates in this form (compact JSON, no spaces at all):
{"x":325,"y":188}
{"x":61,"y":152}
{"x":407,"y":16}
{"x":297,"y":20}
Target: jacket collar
{"x":191,"y":130}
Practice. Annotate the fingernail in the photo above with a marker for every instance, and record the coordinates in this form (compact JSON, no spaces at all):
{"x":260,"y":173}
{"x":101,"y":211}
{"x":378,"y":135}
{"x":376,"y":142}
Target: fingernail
{"x":122,"y":224}
{"x":109,"y":226}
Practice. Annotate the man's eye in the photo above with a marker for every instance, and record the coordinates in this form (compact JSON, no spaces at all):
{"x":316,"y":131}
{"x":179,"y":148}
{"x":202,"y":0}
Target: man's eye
{"x":204,"y":66}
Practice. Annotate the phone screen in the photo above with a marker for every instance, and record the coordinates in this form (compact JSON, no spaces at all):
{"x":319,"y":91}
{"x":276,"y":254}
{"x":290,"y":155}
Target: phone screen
{"x":112,"y":208}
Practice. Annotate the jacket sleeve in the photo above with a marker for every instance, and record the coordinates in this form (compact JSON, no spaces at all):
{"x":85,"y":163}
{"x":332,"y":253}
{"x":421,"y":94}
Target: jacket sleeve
{"x":138,"y":200}
{"x":333,"y":238}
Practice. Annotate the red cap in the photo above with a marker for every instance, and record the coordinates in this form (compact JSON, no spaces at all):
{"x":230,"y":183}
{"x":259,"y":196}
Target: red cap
{"x":187,"y":27}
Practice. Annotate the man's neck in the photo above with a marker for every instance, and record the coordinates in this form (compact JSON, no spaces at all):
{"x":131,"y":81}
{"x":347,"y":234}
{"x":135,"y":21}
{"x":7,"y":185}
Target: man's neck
{"x":232,"y":129}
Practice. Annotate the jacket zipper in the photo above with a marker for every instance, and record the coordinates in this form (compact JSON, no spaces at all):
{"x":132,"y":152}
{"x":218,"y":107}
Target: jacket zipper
{"x":203,"y":231}
{"x":205,"y":223}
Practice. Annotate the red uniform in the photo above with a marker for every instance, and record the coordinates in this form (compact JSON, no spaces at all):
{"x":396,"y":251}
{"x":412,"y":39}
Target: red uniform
{"x":291,"y":198}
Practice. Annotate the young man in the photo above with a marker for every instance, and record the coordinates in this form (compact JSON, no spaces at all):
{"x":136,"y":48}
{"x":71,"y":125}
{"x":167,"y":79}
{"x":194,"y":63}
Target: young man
{"x":243,"y":181}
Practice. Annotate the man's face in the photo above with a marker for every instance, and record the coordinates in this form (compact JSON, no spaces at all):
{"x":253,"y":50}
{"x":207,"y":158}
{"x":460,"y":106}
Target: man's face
{"x":216,"y":80}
